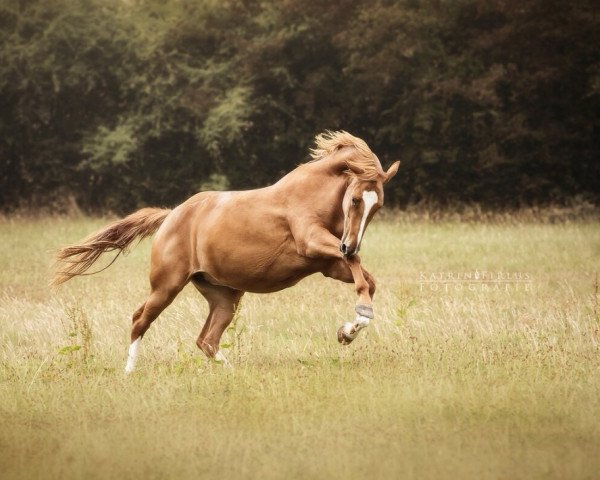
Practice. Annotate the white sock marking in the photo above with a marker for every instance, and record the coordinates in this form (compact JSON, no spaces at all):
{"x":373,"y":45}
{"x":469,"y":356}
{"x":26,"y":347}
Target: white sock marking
{"x":370,"y":199}
{"x":219,"y":357}
{"x":361,"y":322}
{"x":132,"y":356}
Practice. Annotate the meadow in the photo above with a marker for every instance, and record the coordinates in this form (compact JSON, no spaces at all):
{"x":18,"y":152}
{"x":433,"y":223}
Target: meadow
{"x":483,"y":362}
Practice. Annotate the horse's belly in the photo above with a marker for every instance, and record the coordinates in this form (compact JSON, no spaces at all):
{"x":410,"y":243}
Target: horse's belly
{"x":259,"y":273}
{"x":258,"y":285}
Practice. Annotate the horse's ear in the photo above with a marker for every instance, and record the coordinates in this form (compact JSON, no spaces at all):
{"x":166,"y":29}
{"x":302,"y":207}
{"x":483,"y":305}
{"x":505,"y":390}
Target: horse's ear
{"x":391,"y":171}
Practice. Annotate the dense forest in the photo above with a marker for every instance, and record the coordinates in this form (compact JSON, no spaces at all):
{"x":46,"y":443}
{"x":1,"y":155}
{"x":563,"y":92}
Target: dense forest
{"x":115,"y":104}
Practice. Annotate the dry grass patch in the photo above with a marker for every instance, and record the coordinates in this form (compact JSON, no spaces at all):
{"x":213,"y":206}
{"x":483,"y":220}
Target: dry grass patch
{"x":447,"y":382}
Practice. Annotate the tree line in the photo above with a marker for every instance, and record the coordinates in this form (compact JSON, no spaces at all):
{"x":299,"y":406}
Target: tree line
{"x":117,"y":104}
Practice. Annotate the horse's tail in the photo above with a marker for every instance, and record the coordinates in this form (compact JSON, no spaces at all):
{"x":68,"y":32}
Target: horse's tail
{"x":116,"y":236}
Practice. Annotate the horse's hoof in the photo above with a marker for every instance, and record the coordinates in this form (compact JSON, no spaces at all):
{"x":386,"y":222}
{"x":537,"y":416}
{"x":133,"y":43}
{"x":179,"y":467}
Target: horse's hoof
{"x":346,"y":333}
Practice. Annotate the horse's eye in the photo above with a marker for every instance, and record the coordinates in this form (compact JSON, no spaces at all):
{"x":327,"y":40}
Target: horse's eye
{"x":355,"y":201}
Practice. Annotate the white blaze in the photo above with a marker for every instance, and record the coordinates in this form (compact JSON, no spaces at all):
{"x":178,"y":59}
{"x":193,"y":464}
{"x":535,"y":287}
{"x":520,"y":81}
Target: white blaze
{"x":370,"y":199}
{"x":132,"y":357}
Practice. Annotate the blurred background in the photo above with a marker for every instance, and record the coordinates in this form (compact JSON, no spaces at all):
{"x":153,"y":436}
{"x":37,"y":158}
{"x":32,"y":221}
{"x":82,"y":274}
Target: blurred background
{"x":110,"y":105}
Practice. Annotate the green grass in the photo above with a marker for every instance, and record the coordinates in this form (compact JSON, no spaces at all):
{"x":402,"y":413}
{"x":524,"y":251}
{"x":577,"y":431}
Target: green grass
{"x":468,"y":383}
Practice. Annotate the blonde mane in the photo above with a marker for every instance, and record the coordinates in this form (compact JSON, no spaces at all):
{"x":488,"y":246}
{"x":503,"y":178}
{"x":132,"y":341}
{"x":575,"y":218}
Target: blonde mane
{"x":329,"y":142}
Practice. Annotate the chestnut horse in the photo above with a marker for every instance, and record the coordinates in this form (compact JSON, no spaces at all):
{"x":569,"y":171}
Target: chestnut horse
{"x":228,"y":243}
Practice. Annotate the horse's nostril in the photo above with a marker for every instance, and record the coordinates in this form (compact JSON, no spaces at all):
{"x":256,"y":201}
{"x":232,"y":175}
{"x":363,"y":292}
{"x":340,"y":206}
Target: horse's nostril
{"x":343,"y":248}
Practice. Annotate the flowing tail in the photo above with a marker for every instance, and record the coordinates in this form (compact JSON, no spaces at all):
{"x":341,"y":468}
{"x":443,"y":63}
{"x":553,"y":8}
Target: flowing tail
{"x":116,"y":236}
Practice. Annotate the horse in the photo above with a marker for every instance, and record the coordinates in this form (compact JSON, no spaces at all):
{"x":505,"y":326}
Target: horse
{"x":264,"y":240}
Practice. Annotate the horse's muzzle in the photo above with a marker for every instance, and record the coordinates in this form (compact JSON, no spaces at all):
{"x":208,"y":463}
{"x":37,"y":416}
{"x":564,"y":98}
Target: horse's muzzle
{"x":346,"y":250}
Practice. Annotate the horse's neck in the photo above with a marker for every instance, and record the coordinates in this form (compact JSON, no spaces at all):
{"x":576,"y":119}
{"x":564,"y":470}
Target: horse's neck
{"x":320,"y":185}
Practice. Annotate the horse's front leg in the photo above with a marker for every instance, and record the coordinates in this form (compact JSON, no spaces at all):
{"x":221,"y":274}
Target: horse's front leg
{"x":320,"y":243}
{"x":350,"y":270}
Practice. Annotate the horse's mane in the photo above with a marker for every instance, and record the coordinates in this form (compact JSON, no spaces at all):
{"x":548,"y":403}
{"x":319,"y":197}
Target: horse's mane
{"x":328,"y":142}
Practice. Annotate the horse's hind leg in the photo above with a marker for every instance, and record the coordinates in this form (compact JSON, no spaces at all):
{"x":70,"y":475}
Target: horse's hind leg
{"x":164,"y":290}
{"x":223,"y":303}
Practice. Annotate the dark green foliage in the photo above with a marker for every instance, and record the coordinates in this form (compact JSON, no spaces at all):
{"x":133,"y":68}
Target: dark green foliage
{"x":117,"y":104}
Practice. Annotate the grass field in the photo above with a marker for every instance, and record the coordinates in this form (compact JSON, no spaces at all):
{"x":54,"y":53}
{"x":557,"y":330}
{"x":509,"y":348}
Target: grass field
{"x":455,"y":377}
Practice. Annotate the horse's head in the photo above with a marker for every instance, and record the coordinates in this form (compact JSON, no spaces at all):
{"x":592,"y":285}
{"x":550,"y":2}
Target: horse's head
{"x":361,"y":201}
